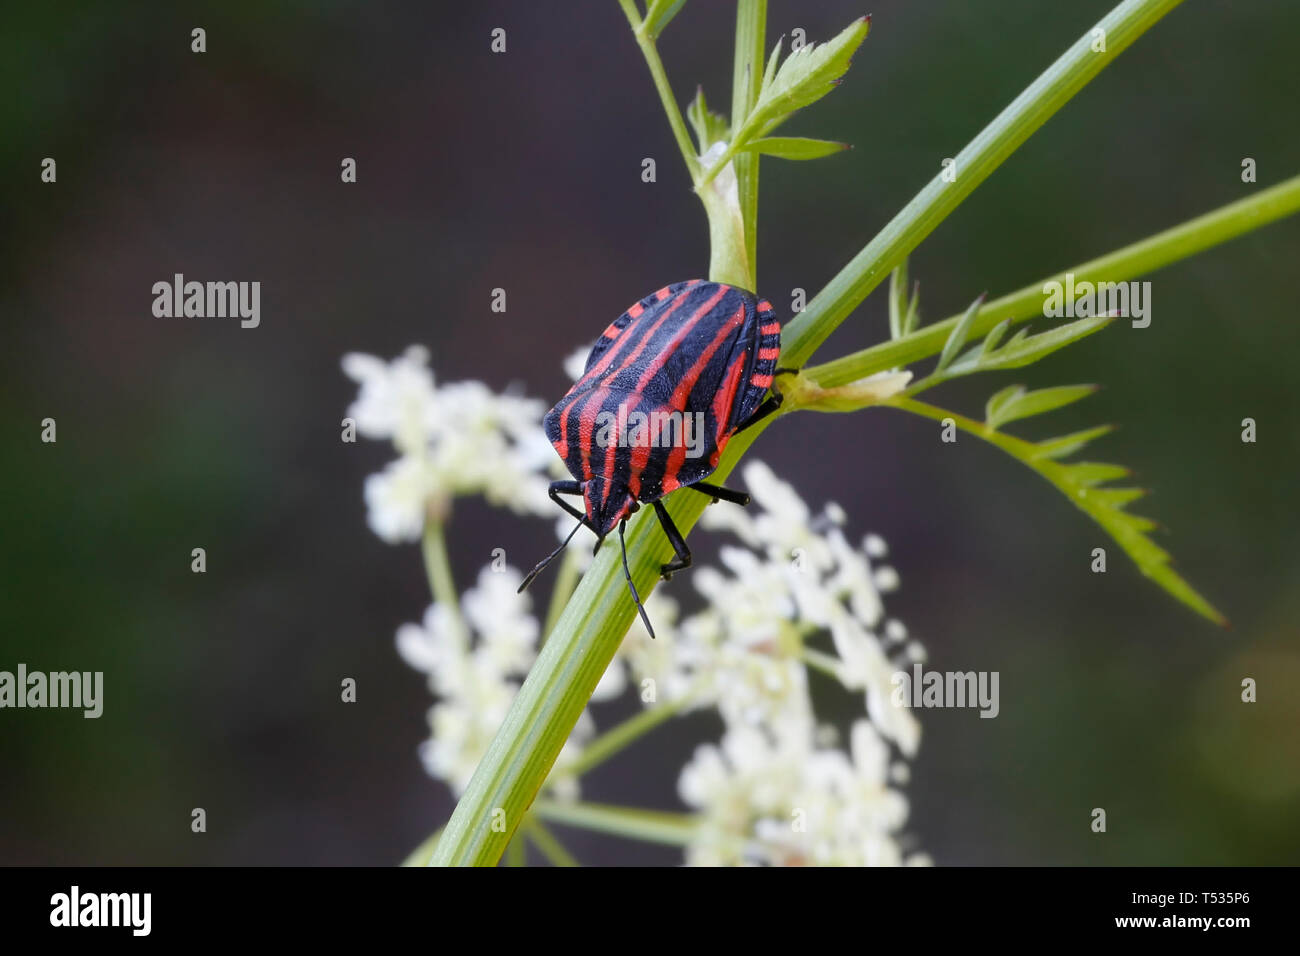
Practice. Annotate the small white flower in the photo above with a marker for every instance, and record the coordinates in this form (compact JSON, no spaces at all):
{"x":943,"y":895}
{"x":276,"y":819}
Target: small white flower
{"x":397,"y":498}
{"x":397,"y":399}
{"x":576,"y":364}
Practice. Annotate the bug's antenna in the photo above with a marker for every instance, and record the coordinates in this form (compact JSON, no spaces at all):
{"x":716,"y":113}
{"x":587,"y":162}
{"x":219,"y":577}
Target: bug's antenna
{"x":541,"y":565}
{"x":628,"y":574}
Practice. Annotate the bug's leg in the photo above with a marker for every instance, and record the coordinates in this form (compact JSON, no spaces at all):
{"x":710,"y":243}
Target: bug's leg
{"x":541,"y":565}
{"x":719,"y":493}
{"x":558,"y":488}
{"x":566,"y":488}
{"x":770,"y":405}
{"x":628,"y":575}
{"x":683,"y":553}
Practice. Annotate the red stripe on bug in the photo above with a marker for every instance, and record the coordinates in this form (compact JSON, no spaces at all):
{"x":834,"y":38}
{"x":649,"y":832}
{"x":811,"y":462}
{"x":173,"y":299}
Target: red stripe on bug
{"x":612,"y":331}
{"x":586,"y":421}
{"x":727,"y":394}
{"x":688,"y":381}
{"x":639,"y":458}
{"x":760,"y":381}
{"x":771,"y":328}
{"x":649,"y":336}
{"x":636,"y":309}
{"x":765,"y":355}
{"x":672,"y":345}
{"x":605,"y":361}
{"x":764,"y":306}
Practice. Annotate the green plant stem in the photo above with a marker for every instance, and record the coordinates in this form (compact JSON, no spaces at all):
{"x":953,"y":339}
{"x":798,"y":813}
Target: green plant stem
{"x":567,"y":670}
{"x":1140,"y":258}
{"x":517,"y":852}
{"x":438,"y":567}
{"x":1026,"y":113}
{"x":751,"y":30}
{"x":545,"y":841}
{"x":675,"y":119}
{"x":618,"y":737}
{"x":653,"y":826}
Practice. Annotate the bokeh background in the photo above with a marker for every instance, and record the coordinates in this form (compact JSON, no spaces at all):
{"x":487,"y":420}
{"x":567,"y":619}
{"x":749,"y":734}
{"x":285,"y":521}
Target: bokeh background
{"x":522,"y":171}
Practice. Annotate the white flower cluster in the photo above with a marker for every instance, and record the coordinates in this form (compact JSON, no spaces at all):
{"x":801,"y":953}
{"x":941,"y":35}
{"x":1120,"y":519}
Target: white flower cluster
{"x":457,"y":439}
{"x":776,"y":789}
{"x":475,"y":666}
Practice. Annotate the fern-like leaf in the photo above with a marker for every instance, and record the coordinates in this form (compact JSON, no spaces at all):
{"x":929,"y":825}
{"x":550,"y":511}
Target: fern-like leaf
{"x":1081,"y":482}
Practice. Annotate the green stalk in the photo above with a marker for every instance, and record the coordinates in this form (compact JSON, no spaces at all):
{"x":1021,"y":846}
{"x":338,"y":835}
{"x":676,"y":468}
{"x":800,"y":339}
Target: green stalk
{"x":653,"y":826}
{"x":561,"y":681}
{"x":551,"y":848}
{"x":751,"y":29}
{"x":618,"y":737}
{"x":438,"y":567}
{"x":1015,"y":124}
{"x":1140,"y":258}
{"x":675,"y":120}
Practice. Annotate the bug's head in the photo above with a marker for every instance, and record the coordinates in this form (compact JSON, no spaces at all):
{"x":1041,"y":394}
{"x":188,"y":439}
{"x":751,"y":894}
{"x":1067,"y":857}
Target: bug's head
{"x":607,"y":502}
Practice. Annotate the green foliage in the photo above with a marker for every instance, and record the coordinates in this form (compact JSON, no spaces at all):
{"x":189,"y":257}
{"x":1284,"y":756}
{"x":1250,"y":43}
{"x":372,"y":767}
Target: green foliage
{"x":806,"y":76}
{"x":709,"y":127}
{"x":658,"y":14}
{"x":1080,"y":482}
{"x":795,"y":147}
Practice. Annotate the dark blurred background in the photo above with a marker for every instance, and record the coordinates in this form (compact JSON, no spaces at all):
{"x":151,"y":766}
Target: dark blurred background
{"x":522,"y":171}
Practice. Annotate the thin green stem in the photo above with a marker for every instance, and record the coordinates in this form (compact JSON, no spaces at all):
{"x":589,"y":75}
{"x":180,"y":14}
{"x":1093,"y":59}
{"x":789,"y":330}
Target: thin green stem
{"x":747,"y":73}
{"x":551,"y":848}
{"x":619,"y":736}
{"x":675,"y":119}
{"x":985,"y":153}
{"x":517,"y":852}
{"x":1140,"y":258}
{"x":652,"y":826}
{"x":565,"y":673}
{"x":822,"y":661}
{"x":438,"y":567}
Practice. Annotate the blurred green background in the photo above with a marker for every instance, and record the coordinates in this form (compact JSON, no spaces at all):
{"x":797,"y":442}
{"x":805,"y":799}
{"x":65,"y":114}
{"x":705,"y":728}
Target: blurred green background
{"x":522,"y":171}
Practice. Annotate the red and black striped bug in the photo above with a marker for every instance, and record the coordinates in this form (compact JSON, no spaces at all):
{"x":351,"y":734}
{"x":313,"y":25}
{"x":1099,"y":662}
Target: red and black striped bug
{"x":688,"y":367}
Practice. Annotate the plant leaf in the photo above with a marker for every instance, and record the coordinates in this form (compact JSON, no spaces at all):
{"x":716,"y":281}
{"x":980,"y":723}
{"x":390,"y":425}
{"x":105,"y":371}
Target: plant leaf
{"x":1022,"y":349}
{"x":897,"y":300}
{"x":913,"y":318}
{"x":796,"y":147}
{"x":1069,"y":444}
{"x":658,"y":14}
{"x":1079,"y":482}
{"x":957,"y":338}
{"x":709,"y":127}
{"x":770,"y":72}
{"x":1017,"y":403}
{"x":806,"y":76}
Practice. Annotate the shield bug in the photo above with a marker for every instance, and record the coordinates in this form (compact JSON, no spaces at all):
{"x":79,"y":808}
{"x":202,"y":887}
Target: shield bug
{"x":666,"y":386}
